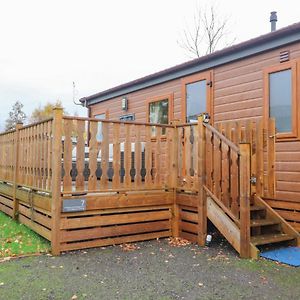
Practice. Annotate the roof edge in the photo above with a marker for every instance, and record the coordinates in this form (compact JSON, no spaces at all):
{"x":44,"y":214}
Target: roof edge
{"x":269,"y":41}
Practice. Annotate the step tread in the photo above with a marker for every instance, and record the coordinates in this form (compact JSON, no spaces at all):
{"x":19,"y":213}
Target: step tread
{"x":271,"y":238}
{"x":262,"y":222}
{"x":256,"y":208}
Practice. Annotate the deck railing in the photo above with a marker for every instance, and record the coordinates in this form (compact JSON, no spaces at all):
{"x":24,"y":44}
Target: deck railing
{"x":105,"y":155}
{"x":68,"y":157}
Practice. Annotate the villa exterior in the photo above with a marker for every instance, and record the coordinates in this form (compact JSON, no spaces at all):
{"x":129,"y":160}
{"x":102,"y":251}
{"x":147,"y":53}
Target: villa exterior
{"x":256,"y":79}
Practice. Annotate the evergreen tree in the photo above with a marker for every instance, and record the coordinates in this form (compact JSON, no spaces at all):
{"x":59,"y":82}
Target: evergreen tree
{"x":16,"y":115}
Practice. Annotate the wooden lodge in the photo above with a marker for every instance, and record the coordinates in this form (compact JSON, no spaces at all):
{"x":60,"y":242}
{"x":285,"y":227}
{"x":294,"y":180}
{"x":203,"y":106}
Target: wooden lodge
{"x":149,"y":163}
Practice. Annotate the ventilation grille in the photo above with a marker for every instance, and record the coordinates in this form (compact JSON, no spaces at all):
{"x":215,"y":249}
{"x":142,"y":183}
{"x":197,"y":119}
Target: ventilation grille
{"x":284,"y":56}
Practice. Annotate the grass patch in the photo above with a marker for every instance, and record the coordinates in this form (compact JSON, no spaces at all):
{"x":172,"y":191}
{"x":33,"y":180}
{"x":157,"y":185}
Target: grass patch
{"x":17,"y":239}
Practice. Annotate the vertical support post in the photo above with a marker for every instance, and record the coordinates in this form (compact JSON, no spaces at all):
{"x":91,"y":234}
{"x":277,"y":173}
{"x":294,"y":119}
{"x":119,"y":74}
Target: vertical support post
{"x":202,"y":201}
{"x":271,"y":135}
{"x":260,"y":158}
{"x":16,"y":170}
{"x":244,"y":200}
{"x":173,"y":178}
{"x":56,"y":179}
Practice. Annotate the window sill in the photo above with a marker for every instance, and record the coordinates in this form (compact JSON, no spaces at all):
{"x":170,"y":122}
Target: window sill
{"x":282,"y":137}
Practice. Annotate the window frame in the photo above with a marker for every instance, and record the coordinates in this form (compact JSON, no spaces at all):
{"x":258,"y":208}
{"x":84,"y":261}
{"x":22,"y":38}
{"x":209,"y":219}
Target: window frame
{"x":170,"y":99}
{"x":292,"y":65}
{"x":103,"y":112}
{"x":208,"y":76}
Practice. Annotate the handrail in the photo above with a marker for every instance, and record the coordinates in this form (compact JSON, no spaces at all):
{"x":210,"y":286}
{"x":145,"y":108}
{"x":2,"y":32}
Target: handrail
{"x":117,"y":122}
{"x":222,"y":138}
{"x":224,"y":208}
{"x":7,"y":132}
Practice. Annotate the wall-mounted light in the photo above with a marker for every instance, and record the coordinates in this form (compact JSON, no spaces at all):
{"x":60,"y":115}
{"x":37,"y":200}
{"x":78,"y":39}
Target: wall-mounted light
{"x":124,"y":104}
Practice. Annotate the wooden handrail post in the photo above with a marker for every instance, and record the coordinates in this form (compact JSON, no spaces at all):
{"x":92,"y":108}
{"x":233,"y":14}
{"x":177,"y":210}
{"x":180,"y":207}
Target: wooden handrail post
{"x":202,"y":200}
{"x":174,"y":178}
{"x":271,"y":137}
{"x":244,"y":181}
{"x":16,"y":167}
{"x":56,"y":179}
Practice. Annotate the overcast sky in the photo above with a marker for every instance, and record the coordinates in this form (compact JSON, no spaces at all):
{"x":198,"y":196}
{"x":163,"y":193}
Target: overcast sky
{"x":46,"y":45}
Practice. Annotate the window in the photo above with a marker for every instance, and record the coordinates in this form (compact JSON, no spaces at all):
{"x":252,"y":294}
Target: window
{"x":280,"y":97}
{"x":195,"y":100}
{"x":159,"y":110}
{"x":99,"y":135}
{"x":196,"y":95}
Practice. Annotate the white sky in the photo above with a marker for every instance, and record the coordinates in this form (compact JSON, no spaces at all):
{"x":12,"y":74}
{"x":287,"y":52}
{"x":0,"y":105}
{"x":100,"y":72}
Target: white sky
{"x":45,"y":45}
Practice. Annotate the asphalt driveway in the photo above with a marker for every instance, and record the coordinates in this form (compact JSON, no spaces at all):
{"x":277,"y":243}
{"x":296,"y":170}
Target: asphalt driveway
{"x":151,"y":270}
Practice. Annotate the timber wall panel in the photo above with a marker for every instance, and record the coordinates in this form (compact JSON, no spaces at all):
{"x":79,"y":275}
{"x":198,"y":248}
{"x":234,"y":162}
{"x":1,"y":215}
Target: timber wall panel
{"x":34,"y":209}
{"x":188,"y":216}
{"x":116,"y":219}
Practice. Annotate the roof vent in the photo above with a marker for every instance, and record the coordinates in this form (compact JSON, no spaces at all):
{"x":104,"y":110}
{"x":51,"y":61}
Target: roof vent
{"x":273,"y":20}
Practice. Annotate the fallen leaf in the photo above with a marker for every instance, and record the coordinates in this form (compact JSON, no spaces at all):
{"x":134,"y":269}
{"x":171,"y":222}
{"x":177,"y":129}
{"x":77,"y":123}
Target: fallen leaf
{"x":178,"y":242}
{"x":129,"y":247}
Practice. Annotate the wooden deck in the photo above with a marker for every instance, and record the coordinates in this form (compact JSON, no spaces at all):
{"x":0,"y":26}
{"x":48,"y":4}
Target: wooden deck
{"x":82,"y":182}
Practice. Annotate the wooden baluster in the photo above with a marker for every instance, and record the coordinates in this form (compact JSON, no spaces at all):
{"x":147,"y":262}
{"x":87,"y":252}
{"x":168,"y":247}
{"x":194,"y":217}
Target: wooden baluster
{"x":67,"y":180}
{"x":21,"y":159}
{"x":234,"y":163}
{"x":180,"y":133}
{"x":93,"y":153}
{"x":116,"y":156}
{"x":148,"y":157}
{"x":16,"y":164}
{"x":238,"y":133}
{"x":260,"y":158}
{"x":157,"y":176}
{"x":217,"y":165}
{"x":105,"y":154}
{"x":34,"y":160}
{"x":225,"y":174}
{"x":127,"y":156}
{"x":174,"y":162}
{"x":44,"y":152}
{"x":195,"y":155}
{"x":39,"y":162}
{"x":49,"y":155}
{"x":80,"y":153}
{"x":187,"y":154}
{"x":209,"y":159}
{"x":271,"y":138}
{"x":138,"y":157}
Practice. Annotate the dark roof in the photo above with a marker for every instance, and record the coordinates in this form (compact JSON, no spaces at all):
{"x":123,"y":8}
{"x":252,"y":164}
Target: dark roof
{"x":272,"y":40}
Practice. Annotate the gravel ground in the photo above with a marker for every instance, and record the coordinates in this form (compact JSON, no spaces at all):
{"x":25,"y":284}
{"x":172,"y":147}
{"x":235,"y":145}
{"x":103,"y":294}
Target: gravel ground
{"x":155,"y":270}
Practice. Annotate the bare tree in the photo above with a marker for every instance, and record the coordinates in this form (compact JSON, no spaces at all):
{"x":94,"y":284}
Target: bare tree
{"x":208,"y":30}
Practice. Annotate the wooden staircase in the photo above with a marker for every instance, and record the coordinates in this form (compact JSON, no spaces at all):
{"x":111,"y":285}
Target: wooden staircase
{"x":268,"y":228}
{"x":233,"y":201}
